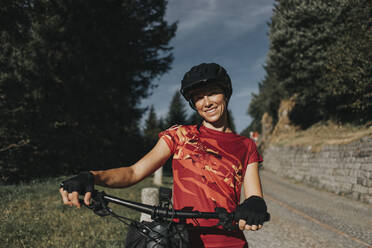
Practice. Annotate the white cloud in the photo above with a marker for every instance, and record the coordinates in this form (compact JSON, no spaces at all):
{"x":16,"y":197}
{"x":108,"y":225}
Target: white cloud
{"x":225,"y":17}
{"x":247,"y":19}
{"x":199,"y":16}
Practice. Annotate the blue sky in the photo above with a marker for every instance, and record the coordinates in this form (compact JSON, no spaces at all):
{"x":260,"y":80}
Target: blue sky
{"x":231,"y":33}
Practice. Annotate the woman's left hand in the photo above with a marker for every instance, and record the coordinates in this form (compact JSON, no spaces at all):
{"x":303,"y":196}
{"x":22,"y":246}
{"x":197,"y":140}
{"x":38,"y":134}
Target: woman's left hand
{"x":252,"y":213}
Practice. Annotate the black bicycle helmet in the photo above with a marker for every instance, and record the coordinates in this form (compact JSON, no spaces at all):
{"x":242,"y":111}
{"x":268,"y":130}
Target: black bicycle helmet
{"x":202,"y":75}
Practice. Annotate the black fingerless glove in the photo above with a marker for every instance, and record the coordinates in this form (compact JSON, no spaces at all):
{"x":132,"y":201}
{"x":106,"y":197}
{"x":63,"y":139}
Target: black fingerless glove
{"x":253,"y":210}
{"x":82,"y":183}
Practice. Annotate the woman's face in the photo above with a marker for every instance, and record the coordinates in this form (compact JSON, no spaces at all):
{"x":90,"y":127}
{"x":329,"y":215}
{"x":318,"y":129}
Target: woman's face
{"x":210,"y":103}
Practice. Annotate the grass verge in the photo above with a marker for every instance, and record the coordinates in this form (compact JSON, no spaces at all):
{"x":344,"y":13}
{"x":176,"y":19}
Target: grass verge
{"x":320,"y":134}
{"x":32,"y":215}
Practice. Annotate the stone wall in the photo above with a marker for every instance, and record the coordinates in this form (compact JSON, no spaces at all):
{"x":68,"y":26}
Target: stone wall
{"x":344,"y":169}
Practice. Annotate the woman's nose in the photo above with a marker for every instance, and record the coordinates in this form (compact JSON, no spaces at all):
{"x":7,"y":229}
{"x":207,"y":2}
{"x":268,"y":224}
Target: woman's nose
{"x":207,"y":101}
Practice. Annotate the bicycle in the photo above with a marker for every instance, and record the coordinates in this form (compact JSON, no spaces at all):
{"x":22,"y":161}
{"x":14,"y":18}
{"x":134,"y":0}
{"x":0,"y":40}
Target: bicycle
{"x":163,"y":231}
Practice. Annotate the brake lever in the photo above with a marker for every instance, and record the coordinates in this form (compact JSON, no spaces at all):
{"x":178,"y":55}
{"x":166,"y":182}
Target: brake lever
{"x":98,"y":204}
{"x":226,"y":219}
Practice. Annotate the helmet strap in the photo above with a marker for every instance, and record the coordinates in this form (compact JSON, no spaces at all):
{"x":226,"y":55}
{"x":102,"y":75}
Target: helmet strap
{"x":192,"y":105}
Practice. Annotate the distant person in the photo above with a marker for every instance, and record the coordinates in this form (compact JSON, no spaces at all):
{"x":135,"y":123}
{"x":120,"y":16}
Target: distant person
{"x":210,"y":164}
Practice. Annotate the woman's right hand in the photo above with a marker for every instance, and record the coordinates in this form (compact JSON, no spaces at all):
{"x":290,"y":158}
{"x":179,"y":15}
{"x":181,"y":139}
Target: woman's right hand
{"x":82,"y":184}
{"x":121,"y":177}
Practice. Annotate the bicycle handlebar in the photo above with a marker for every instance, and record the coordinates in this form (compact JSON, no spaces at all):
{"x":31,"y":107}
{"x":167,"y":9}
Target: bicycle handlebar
{"x":154,"y":211}
{"x":100,"y":200}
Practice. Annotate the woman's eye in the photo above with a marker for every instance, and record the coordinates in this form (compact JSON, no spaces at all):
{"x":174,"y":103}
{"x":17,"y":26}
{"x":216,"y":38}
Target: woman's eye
{"x":198,"y":97}
{"x":215,"y":92}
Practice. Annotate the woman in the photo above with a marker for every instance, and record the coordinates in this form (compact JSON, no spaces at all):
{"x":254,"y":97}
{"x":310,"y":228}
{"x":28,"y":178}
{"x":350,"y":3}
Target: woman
{"x":210,"y":164}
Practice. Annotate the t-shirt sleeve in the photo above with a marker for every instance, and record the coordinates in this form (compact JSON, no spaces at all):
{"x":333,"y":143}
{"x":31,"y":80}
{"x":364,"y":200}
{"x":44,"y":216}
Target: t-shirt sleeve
{"x":253,"y":154}
{"x":170,"y":137}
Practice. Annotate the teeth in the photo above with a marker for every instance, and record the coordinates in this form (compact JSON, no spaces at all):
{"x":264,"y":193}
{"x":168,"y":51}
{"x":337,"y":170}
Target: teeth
{"x":211,"y":110}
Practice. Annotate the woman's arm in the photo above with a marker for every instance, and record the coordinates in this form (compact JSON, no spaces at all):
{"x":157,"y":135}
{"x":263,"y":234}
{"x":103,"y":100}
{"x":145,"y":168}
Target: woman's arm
{"x":127,"y":176}
{"x":252,"y":181}
{"x":252,"y":187}
{"x":124,"y":176}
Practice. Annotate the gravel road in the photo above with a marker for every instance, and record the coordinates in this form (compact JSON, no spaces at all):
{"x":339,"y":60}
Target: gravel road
{"x":302,"y":216}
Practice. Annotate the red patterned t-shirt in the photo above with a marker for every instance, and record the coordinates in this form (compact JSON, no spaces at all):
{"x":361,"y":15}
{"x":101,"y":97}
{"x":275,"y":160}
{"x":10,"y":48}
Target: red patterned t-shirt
{"x":208,"y":171}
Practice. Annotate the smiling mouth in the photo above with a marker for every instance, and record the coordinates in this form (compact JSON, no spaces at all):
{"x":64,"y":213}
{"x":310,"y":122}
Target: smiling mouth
{"x":210,"y":110}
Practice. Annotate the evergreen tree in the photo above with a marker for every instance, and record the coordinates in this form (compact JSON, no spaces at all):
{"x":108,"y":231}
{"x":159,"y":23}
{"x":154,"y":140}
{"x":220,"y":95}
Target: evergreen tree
{"x":320,"y":53}
{"x":176,"y":116}
{"x":72,"y":76}
{"x":348,"y":73}
{"x":151,"y":129}
{"x":299,"y":34}
{"x":161,"y":124}
{"x":231,"y":121}
{"x":268,"y":100}
{"x":177,"y":111}
{"x":194,"y":118}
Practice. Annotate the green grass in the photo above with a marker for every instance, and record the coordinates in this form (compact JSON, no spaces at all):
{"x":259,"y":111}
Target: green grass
{"x":32,"y":215}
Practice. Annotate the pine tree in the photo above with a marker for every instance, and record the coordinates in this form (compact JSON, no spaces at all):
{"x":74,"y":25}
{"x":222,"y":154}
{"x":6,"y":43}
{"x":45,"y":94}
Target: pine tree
{"x":151,"y":129}
{"x":176,"y":116}
{"x":177,"y":111}
{"x":299,"y":35}
{"x":348,"y":94}
{"x":72,"y":76}
{"x":320,"y":53}
{"x":194,"y":118}
{"x":231,"y":121}
{"x":268,"y":100}
{"x":161,"y":124}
